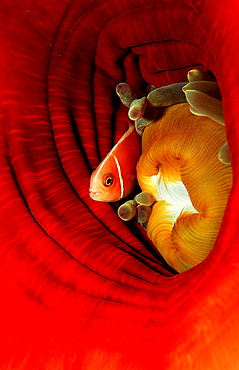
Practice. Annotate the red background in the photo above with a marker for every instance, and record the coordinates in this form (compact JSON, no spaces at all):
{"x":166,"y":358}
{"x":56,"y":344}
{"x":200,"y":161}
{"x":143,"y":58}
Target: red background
{"x":80,"y":289}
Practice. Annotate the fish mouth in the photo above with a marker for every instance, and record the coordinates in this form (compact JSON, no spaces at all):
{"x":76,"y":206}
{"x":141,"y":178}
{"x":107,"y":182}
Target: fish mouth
{"x":100,"y":196}
{"x":95,"y":195}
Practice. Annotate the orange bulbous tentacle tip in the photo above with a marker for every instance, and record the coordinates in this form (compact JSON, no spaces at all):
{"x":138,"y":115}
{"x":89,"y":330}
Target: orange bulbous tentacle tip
{"x":145,"y":198}
{"x":150,"y":88}
{"x":127,"y":210}
{"x":197,"y":75}
{"x":143,"y":213}
{"x":126,"y":93}
{"x":123,"y":89}
{"x":137,"y":108}
{"x":150,"y":115}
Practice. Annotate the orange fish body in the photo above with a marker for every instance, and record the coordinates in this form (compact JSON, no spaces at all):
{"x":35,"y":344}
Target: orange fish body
{"x":115,"y":177}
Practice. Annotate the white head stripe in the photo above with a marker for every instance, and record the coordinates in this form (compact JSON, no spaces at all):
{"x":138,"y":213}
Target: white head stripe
{"x":120,"y":177}
{"x":101,"y":165}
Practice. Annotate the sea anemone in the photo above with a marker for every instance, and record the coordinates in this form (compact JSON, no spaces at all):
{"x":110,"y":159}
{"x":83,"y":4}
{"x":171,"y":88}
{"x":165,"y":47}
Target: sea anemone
{"x":180,"y":167}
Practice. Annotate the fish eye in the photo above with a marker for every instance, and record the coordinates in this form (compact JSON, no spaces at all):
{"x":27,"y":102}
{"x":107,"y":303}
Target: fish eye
{"x":108,"y":180}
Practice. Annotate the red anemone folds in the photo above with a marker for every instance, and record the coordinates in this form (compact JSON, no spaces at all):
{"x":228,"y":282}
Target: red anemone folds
{"x":79,"y":288}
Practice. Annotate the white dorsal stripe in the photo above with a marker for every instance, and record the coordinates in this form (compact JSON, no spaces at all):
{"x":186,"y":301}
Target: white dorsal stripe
{"x":120,"y":177}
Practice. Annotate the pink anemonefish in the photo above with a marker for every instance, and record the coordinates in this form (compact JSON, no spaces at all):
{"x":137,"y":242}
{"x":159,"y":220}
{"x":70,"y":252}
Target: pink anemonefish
{"x":115,"y":177}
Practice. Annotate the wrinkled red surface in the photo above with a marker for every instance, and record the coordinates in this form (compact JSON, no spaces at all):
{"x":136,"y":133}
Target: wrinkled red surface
{"x":79,"y":288}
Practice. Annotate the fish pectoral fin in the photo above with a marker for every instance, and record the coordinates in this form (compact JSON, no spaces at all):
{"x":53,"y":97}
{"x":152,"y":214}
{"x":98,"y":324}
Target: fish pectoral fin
{"x":224,"y":154}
